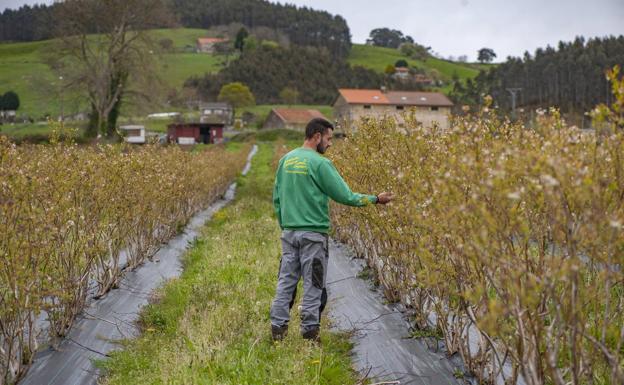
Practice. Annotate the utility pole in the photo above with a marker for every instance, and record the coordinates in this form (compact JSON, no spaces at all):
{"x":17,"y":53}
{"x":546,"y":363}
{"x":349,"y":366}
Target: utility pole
{"x":514,"y":94}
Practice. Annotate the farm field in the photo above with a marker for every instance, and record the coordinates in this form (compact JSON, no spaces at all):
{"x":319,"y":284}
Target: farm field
{"x":212,"y":324}
{"x":489,"y":200}
{"x":514,"y":234}
{"x":71,"y":212}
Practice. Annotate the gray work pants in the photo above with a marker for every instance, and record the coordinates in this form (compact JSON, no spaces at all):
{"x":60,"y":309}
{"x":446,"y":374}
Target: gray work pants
{"x":305,"y":255}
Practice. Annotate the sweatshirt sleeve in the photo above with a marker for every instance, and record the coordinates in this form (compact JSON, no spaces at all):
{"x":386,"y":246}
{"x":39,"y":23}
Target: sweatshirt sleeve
{"x":276,"y":199}
{"x":332,"y":184}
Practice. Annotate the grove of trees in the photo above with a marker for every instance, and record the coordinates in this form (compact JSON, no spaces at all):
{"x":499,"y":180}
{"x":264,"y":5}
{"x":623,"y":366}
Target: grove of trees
{"x":571,"y":76}
{"x":390,"y":38}
{"x":268,"y":70}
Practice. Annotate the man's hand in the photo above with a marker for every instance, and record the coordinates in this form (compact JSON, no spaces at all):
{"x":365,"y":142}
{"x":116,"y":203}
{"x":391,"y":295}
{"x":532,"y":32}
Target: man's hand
{"x":384,"y":198}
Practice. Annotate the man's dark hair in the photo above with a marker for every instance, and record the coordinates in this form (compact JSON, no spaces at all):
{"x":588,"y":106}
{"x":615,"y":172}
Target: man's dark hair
{"x":317,"y":125}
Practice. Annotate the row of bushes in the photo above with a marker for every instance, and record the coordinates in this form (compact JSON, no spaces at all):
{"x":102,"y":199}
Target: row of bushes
{"x":71,"y":216}
{"x":508,"y":241}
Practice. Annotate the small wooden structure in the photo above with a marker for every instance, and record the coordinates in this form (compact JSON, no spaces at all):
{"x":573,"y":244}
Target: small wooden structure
{"x":194,"y":133}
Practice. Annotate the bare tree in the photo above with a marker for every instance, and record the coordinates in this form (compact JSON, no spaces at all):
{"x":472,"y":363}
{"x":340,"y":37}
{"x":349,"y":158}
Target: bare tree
{"x":105,"y":51}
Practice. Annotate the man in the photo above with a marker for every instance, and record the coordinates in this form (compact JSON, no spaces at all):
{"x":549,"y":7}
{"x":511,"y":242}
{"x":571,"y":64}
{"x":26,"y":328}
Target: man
{"x":304,"y":182}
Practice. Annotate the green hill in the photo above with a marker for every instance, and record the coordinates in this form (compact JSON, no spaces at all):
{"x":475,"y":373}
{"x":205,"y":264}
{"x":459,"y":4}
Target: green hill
{"x":377,"y":58}
{"x":22,"y":69}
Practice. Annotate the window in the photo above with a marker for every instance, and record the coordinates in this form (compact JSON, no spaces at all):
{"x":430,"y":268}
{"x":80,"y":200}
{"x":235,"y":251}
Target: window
{"x":434,"y":108}
{"x":367,"y":107}
{"x":399,"y":107}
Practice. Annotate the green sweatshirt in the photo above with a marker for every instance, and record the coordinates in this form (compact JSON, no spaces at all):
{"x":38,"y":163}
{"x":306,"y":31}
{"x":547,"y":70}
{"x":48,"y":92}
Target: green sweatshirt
{"x":304,"y":182}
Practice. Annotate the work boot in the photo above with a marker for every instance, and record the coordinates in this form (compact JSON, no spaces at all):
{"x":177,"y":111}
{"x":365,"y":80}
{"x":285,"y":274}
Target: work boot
{"x":312,"y":335}
{"x":279,"y":332}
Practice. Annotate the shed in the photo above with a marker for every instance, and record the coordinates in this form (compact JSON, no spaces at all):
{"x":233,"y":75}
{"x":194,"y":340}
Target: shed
{"x":193,"y":133}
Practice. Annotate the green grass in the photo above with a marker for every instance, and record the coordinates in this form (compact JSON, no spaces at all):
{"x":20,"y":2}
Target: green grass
{"x":23,"y":71}
{"x":176,"y":68}
{"x":377,"y":58}
{"x":37,"y":132}
{"x":183,"y":38}
{"x":21,"y":130}
{"x":211,"y":325}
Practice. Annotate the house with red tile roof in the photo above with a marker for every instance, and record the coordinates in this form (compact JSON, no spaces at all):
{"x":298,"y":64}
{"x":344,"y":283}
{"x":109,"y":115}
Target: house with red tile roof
{"x":429,"y":107}
{"x":207,"y":44}
{"x":291,"y":118}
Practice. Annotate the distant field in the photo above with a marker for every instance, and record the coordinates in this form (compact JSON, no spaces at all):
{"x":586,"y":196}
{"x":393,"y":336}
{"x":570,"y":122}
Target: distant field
{"x":377,"y":58}
{"x":23,"y":70}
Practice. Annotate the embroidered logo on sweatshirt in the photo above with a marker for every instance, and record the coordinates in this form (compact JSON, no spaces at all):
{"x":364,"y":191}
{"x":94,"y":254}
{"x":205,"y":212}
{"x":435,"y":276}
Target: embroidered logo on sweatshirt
{"x":296,"y":165}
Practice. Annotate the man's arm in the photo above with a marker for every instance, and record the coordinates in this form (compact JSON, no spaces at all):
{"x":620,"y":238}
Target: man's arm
{"x":276,"y":199}
{"x":332,"y":184}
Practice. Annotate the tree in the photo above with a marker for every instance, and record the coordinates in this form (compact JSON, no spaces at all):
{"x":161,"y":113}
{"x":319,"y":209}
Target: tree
{"x":390,"y":69}
{"x":407,"y":49}
{"x":115,"y":64}
{"x":239,"y":43}
{"x":314,"y":72}
{"x":486,"y":55}
{"x":237,"y":94}
{"x":9,"y":101}
{"x":251,"y":43}
{"x":401,"y":63}
{"x":289,"y":95}
{"x":391,"y":38}
{"x":415,"y":51}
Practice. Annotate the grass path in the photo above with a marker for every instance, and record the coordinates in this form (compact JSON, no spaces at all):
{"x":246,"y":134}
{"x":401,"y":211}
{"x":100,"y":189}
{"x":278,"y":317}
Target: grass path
{"x":211,"y":326}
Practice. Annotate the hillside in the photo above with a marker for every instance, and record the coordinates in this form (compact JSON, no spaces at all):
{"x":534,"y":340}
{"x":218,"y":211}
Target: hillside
{"x":23,"y":70}
{"x":377,"y":58}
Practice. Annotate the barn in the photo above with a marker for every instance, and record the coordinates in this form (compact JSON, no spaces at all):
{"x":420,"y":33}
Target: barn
{"x":194,"y":133}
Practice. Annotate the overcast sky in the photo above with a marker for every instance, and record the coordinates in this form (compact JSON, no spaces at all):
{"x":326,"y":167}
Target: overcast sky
{"x":461,"y":27}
